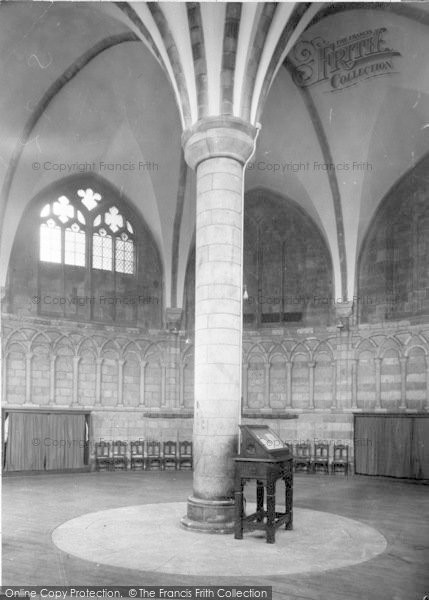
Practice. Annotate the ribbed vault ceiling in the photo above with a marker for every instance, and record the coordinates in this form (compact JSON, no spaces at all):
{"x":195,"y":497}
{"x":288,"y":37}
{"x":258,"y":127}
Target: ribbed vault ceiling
{"x":118,"y":82}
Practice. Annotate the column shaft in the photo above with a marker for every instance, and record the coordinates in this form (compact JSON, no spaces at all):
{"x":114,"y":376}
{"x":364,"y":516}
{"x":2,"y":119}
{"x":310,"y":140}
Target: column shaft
{"x":217,"y":148}
{"x":218,"y":325}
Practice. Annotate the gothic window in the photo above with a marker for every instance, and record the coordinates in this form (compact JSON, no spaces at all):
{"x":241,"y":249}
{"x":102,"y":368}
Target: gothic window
{"x":113,"y":243}
{"x":62,"y":233}
{"x":72,"y":230}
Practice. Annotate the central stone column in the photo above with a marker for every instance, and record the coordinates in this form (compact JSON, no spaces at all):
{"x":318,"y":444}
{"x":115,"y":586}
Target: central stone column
{"x":217,"y":148}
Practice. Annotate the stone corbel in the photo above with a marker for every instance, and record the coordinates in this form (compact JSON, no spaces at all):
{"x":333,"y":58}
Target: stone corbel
{"x":173,"y":319}
{"x":343,"y":315}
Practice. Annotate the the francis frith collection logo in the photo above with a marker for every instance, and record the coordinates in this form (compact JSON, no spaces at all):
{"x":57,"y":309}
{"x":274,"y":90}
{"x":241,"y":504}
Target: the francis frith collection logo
{"x":345,"y":62}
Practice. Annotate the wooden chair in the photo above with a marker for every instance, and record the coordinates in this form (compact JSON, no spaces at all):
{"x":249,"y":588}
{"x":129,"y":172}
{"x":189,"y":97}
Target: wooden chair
{"x":321,"y":457}
{"x":340,"y":459}
{"x":137,"y":455}
{"x":103,"y":459}
{"x":302,"y":457}
{"x":169,"y":455}
{"x":153,"y":458}
{"x":185,"y":459}
{"x":119,"y":455}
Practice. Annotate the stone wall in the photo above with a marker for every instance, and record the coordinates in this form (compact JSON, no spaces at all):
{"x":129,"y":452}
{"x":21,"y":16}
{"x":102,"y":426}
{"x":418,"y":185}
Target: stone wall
{"x":140,"y":385}
{"x":393,"y":278}
{"x":287,"y":269}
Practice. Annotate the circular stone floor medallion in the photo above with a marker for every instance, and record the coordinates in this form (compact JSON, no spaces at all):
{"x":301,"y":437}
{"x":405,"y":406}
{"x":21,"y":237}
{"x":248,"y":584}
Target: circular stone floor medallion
{"x":150,"y":538}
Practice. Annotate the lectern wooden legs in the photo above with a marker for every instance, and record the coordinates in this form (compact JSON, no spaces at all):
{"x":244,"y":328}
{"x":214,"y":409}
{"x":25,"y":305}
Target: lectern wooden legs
{"x":271,"y":511}
{"x":259,"y":501}
{"x":239,"y":512}
{"x":289,"y":500}
{"x":268,"y":520}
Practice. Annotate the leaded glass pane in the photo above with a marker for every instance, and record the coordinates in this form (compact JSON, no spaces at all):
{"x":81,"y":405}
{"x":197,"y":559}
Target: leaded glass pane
{"x":74,"y":247}
{"x":124,"y":256}
{"x":102,"y":252}
{"x":50,"y":243}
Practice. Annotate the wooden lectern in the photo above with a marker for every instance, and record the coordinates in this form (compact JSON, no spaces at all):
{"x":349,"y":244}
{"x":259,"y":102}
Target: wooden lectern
{"x":264,"y":457}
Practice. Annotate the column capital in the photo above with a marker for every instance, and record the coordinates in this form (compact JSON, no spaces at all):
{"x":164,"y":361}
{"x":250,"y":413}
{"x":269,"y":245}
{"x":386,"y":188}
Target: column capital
{"x":212,"y":137}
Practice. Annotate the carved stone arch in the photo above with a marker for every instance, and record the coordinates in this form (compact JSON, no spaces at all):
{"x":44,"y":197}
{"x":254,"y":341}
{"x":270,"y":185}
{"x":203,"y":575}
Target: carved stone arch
{"x":15,"y":372}
{"x":416,"y":373}
{"x":40,"y":338}
{"x":131,"y":346}
{"x":424,"y":335}
{"x":29,"y":332}
{"x":323,"y":347}
{"x":143,"y":344}
{"x":16,"y":334}
{"x":64,"y":374}
{"x":365,"y":345}
{"x":132,"y":374}
{"x":389,"y":344}
{"x":300,"y":348}
{"x":40,"y":370}
{"x":109,"y":373}
{"x":257,"y":356}
{"x":88,"y":344}
{"x":257,"y":377}
{"x":277,"y":355}
{"x":324,"y":376}
{"x":187,"y":378}
{"x":277,"y":374}
{"x":300,"y":360}
{"x":62,"y":341}
{"x":412,"y":344}
{"x":367,"y":374}
{"x":277,"y":350}
{"x":54,"y":334}
{"x":256,"y":348}
{"x":391,"y":359}
{"x":21,"y":346}
{"x":187,"y":355}
{"x":87,"y":373}
{"x":286,"y":351}
{"x":154,"y":378}
{"x":154,"y":350}
{"x":110,"y":346}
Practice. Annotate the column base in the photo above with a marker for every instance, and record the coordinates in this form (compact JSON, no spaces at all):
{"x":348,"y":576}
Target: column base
{"x":209,"y":516}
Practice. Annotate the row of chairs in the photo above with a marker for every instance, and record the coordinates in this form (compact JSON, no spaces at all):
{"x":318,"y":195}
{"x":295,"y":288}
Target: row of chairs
{"x":143,"y":455}
{"x":320,"y":459}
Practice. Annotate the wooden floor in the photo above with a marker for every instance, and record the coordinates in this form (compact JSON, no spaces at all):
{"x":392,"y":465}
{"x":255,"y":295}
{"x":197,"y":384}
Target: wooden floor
{"x":33,"y":506}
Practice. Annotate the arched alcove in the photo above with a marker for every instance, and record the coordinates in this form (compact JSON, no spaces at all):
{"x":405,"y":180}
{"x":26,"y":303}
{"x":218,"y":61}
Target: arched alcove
{"x":393,"y":277}
{"x":83,"y":253}
{"x":287,"y":267}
